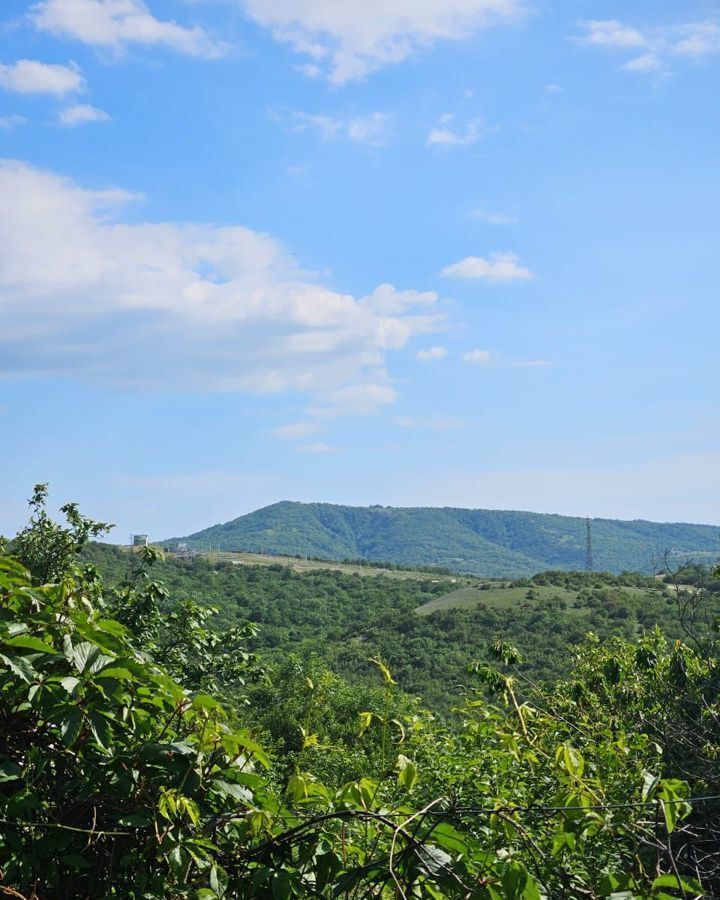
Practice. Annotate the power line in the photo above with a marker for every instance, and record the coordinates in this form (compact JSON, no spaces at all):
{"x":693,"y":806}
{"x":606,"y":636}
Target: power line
{"x":588,"y":545}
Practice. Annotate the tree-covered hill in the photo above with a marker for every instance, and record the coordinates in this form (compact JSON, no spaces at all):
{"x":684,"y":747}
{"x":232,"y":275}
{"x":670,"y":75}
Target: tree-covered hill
{"x":493,"y":543}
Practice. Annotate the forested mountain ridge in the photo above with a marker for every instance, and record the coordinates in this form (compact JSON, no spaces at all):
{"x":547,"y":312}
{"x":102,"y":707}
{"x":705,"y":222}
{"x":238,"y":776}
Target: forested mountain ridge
{"x":493,"y":543}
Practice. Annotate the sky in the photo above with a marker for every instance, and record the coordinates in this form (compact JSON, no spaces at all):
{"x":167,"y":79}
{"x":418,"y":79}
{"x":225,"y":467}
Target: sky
{"x":406,"y":252}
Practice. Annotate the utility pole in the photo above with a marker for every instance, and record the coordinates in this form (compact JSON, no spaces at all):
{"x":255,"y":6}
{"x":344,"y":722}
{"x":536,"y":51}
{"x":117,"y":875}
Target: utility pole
{"x":588,"y":546}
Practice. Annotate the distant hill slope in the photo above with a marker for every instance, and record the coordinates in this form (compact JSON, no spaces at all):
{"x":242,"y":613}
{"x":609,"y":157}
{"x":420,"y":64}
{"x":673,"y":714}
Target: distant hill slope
{"x":486,"y":542}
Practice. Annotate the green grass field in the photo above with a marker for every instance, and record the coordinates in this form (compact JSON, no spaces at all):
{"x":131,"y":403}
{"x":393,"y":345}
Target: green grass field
{"x":308,"y":565}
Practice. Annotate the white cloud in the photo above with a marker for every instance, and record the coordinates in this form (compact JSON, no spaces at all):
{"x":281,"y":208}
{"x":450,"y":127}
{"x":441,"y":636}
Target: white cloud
{"x":351,"y":38}
{"x":317,"y":447}
{"x":699,"y":39}
{"x":178,"y":306}
{"x":117,"y":23}
{"x":372,"y":129}
{"x":431,"y":353}
{"x":530,"y":364}
{"x":477,"y":357}
{"x":82,"y":113}
{"x":355,"y":400}
{"x":7,"y":123}
{"x":28,"y":76}
{"x":447,"y":136}
{"x":442,"y":424}
{"x":648,"y":62}
{"x":295,"y":430}
{"x":494,"y":218}
{"x":660,"y":45}
{"x":611,"y":33}
{"x":385,"y":300}
{"x":497,"y":267}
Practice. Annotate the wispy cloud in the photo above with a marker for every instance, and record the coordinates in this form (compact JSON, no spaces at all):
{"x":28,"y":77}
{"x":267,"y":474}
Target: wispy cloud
{"x":29,"y":76}
{"x":295,"y":430}
{"x":448,"y":134}
{"x":658,"y":47}
{"x":494,"y":218}
{"x":611,"y":33}
{"x":116,"y":24}
{"x":372,"y":129}
{"x":477,"y":357}
{"x":82,"y":113}
{"x":355,"y":400}
{"x":431,"y":354}
{"x":497,"y":267}
{"x":350,"y":39}
{"x":7,"y":123}
{"x":530,"y":364}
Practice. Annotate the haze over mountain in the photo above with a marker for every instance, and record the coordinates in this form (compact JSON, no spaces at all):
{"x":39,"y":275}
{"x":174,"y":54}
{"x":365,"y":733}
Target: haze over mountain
{"x":494,"y":543}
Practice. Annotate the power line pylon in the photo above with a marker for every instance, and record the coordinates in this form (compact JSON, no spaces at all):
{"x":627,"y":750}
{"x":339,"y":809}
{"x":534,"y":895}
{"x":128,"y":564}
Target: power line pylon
{"x":588,"y":545}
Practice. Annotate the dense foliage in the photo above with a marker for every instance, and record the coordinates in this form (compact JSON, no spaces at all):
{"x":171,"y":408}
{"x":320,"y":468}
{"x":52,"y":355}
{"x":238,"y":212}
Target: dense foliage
{"x":491,"y":543}
{"x":123,"y":775}
{"x":344,"y":618}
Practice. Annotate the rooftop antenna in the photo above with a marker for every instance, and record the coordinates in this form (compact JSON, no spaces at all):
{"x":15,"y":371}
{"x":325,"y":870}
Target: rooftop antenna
{"x":588,"y":545}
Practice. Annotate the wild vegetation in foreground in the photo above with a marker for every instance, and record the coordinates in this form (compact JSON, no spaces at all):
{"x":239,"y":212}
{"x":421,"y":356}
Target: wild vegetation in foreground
{"x":145,"y":754}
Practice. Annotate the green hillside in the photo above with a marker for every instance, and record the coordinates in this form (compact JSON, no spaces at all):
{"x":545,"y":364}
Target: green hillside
{"x":492,"y":543}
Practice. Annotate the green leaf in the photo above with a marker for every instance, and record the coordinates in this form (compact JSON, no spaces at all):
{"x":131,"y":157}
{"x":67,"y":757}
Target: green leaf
{"x":282,"y":886}
{"x":384,"y":671}
{"x":205,"y":701}
{"x":84,"y":653}
{"x":365,"y":720}
{"x":101,"y":730}
{"x":450,"y":838}
{"x":28,"y":642}
{"x":218,"y":880}
{"x":118,"y":672}
{"x":70,"y":683}
{"x":236,"y":791}
{"x":71,"y":727}
{"x":434,"y":860}
{"x":672,"y":794}
{"x":650,"y":782}
{"x":175,"y":860}
{"x":9,"y":771}
{"x":20,"y":666}
{"x":682,"y":885}
{"x":407,"y":772}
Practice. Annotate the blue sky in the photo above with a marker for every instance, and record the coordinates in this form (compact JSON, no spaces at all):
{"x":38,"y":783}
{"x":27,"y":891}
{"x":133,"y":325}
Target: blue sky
{"x":439,"y":252}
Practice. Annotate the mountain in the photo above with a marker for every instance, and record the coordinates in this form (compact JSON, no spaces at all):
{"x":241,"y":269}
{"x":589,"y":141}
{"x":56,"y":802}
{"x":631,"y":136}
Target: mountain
{"x":493,"y":543}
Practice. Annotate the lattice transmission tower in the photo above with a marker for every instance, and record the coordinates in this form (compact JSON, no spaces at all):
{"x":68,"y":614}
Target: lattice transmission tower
{"x":588,"y":545}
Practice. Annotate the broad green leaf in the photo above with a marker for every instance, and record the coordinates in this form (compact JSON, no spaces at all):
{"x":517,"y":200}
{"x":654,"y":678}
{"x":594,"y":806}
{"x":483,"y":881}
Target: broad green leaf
{"x":407,"y":772}
{"x":71,"y":727}
{"x":218,"y":880}
{"x":236,"y":791}
{"x":20,"y":666}
{"x":650,"y":782}
{"x":70,"y":683}
{"x":28,"y":642}
{"x":434,"y":860}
